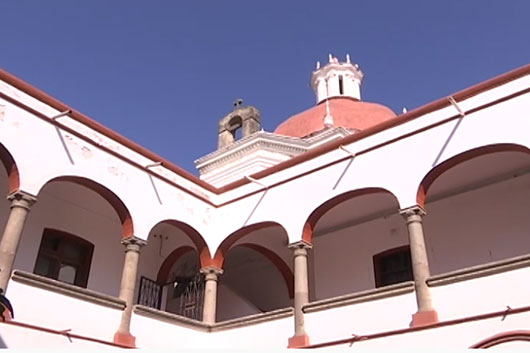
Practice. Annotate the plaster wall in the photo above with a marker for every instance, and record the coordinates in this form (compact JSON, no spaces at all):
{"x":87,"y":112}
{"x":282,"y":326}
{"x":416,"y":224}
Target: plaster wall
{"x":479,"y":226}
{"x":343,"y":260}
{"x":154,"y":333}
{"x":362,"y":318}
{"x":480,"y":295}
{"x":457,"y":336}
{"x":231,"y":305}
{"x":19,"y":337}
{"x":60,"y":312}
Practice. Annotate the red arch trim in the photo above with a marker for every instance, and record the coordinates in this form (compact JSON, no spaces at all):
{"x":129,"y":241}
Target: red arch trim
{"x":11,"y":168}
{"x":163,"y":274}
{"x":309,"y":226}
{"x":205,"y":258}
{"x":221,"y":252}
{"x":429,"y":179}
{"x":278,"y":262}
{"x":509,"y":336}
{"x":127,"y":226}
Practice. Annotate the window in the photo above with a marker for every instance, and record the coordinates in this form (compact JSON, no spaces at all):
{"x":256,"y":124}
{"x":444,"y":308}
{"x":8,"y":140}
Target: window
{"x":393,"y":266}
{"x":64,"y":257}
{"x":341,"y":85}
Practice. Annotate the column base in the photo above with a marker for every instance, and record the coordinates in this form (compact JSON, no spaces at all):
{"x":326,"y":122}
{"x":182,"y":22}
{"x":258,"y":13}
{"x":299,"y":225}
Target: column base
{"x":424,"y":318}
{"x":125,"y":339}
{"x":298,"y":341}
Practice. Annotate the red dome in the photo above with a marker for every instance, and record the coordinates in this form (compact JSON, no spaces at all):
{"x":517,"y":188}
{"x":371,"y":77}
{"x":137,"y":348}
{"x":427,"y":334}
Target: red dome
{"x":346,"y":112}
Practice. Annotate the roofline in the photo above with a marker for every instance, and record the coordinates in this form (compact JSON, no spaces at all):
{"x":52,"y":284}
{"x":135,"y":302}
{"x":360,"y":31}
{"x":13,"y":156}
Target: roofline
{"x":82,"y":118}
{"x":400,"y":119}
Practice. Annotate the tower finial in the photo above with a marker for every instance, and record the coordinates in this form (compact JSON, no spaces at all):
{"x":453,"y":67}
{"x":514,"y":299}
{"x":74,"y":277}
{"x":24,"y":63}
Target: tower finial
{"x":348,"y":58}
{"x":330,"y":58}
{"x":318,"y":65}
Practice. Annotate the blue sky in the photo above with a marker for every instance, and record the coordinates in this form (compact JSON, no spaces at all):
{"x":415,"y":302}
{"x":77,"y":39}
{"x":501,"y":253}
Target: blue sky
{"x":162,"y":73}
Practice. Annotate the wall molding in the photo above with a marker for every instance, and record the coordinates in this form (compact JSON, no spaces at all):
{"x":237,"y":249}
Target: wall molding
{"x":479,"y":271}
{"x":218,"y":326}
{"x":70,"y":290}
{"x":360,"y":297}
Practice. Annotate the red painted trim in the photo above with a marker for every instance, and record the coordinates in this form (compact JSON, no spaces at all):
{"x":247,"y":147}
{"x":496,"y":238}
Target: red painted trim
{"x":163,"y":274}
{"x":314,"y":217}
{"x":298,"y":341}
{"x":278,"y":262}
{"x":356,"y":338}
{"x":508,"y":336}
{"x":411,"y":115}
{"x":125,"y":339}
{"x":11,"y":168}
{"x":225,"y":246}
{"x":437,"y":171}
{"x":423,"y":318}
{"x":127,"y":227}
{"x":199,"y":242}
{"x":67,"y":334}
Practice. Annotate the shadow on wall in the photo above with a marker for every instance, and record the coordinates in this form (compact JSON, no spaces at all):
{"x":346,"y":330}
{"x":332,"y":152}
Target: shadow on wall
{"x":2,"y":343}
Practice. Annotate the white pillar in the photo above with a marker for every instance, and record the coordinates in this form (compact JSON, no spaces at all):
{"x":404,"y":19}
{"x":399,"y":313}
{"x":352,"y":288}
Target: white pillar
{"x":127,"y":288}
{"x":20,"y":206}
{"x":301,"y":293}
{"x":420,"y":267}
{"x":209,"y":309}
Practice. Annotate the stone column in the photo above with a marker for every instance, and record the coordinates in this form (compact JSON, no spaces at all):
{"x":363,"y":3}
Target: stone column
{"x":301,"y":293}
{"x":20,"y":206}
{"x":420,"y":267}
{"x":211,"y":276}
{"x":127,"y":288}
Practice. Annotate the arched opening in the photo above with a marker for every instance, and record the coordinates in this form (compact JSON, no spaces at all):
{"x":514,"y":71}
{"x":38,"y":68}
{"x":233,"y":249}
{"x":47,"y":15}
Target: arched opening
{"x":9,"y":182}
{"x":257,"y":273}
{"x":72,"y":234}
{"x":235,"y":127}
{"x":169,"y":277}
{"x":347,"y":233}
{"x":11,"y":170}
{"x":477,"y":207}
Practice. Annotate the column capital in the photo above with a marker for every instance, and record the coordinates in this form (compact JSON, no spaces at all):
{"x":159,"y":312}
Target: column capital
{"x":412,"y":211}
{"x":133,"y":243}
{"x":211,"y":270}
{"x":21,"y":199}
{"x":211,"y":273}
{"x":301,"y":244}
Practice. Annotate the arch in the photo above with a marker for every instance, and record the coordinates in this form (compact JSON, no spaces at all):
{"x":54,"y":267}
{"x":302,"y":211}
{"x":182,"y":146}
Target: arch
{"x":169,"y":261}
{"x":278,"y":262}
{"x":127,"y":226}
{"x":205,"y":258}
{"x":309,"y":226}
{"x":223,"y":248}
{"x":10,"y":166}
{"x":434,"y":173}
{"x":504,"y":337}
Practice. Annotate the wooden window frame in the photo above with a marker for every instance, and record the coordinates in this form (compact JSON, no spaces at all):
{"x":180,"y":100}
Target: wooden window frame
{"x":58,"y":257}
{"x":377,"y":263}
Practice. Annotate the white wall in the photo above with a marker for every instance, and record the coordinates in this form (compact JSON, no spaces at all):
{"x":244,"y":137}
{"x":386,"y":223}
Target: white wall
{"x":362,"y":318}
{"x":231,"y":305}
{"x":60,"y":312}
{"x":480,"y":226}
{"x":343,"y":260}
